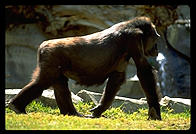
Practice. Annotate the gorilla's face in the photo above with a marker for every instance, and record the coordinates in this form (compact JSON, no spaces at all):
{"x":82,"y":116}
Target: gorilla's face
{"x":149,"y":41}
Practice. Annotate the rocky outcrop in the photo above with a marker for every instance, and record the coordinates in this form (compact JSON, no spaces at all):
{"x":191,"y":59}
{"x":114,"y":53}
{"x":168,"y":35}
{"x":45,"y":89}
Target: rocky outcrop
{"x":174,"y":68}
{"x":178,"y":36}
{"x":28,"y":26}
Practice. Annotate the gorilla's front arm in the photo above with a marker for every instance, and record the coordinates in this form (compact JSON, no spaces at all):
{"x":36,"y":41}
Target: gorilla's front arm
{"x":146,"y":75}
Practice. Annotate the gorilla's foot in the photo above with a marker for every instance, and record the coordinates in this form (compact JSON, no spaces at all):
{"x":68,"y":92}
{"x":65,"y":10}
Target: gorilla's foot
{"x":16,"y":109}
{"x":152,"y":114}
{"x":96,"y":111}
{"x":71,"y":113}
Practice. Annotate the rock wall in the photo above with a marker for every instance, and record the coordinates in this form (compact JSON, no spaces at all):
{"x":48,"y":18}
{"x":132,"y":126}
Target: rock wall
{"x":28,"y":26}
{"x":174,"y":70}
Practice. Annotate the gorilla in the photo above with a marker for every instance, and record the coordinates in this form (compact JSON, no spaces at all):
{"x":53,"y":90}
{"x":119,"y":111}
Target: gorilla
{"x":90,"y":60}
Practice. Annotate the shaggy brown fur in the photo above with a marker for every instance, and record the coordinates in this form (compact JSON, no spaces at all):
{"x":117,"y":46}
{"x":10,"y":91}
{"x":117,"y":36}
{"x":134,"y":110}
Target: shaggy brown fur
{"x":90,"y":60}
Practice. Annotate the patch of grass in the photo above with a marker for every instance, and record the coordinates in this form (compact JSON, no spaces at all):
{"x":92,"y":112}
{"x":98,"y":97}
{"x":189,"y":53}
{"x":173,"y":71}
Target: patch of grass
{"x":41,"y":117}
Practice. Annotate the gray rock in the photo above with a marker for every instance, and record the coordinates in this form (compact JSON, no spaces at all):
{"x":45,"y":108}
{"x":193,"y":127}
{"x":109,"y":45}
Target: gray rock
{"x":131,"y":88}
{"x":132,"y":105}
{"x":183,"y":12}
{"x":47,"y":97}
{"x":129,"y":105}
{"x":173,"y":71}
{"x":20,"y":53}
{"x":178,"y":36}
{"x":177,"y":104}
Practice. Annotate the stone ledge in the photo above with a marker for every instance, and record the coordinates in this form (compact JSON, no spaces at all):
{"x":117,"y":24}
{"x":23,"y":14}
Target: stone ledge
{"x":47,"y":97}
{"x":132,"y":105}
{"x":129,"y":105}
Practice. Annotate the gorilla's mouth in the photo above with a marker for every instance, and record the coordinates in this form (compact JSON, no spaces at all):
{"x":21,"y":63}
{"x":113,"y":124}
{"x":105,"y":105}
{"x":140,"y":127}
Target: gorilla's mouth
{"x":152,"y":52}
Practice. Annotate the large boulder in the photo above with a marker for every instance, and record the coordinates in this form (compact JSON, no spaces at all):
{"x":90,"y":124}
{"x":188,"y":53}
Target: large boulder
{"x":178,"y":36}
{"x":183,"y":12}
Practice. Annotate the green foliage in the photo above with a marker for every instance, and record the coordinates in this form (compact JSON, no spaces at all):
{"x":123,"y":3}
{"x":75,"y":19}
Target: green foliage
{"x":114,"y":113}
{"x":44,"y":117}
{"x":84,"y":107}
{"x":38,"y":107}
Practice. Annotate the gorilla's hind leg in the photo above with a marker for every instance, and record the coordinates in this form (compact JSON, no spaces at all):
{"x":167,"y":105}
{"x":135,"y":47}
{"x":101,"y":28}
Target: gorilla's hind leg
{"x":30,"y":92}
{"x":63,"y":97}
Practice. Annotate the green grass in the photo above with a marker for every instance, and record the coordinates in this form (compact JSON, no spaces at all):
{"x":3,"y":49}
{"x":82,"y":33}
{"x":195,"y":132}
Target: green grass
{"x":41,"y":117}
